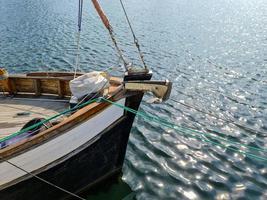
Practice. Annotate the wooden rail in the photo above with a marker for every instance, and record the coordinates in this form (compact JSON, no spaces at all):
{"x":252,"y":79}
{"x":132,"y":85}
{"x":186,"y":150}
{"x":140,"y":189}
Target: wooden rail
{"x":36,"y":85}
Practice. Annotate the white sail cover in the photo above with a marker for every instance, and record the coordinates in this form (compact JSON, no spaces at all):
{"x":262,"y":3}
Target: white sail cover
{"x":89,"y":83}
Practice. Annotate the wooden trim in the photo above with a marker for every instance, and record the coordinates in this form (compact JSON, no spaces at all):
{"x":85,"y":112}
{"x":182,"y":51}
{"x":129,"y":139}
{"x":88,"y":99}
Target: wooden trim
{"x":5,"y":86}
{"x":57,"y":84}
{"x":60,"y":89}
{"x":37,"y":86}
{"x":70,"y":122}
{"x":53,"y":74}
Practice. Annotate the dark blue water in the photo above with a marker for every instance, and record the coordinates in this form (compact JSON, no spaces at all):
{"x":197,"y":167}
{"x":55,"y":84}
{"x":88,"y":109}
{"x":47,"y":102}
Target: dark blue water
{"x":215,"y":52}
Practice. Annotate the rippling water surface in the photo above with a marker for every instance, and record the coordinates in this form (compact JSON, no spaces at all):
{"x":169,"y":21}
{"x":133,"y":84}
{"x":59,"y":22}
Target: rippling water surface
{"x":215,"y":52}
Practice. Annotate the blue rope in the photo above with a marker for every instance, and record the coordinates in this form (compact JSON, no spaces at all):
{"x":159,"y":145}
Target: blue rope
{"x":80,"y":13}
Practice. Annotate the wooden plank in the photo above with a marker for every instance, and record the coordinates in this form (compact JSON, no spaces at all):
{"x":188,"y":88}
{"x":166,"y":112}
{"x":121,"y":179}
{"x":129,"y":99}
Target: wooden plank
{"x":5,"y":85}
{"x":12,"y":86}
{"x":23,"y":85}
{"x":60,"y":89}
{"x":49,"y":86}
{"x":115,"y":80}
{"x":10,"y":109}
{"x":37,"y":87}
{"x":56,"y":83}
{"x":54,"y":74}
{"x":66,"y":88}
{"x":16,"y":76}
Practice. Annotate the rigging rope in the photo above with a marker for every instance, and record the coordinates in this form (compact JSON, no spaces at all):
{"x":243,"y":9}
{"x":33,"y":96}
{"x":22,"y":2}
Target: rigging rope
{"x":77,"y":62}
{"x":106,"y":23}
{"x":43,"y":180}
{"x":204,"y":136}
{"x":149,"y":117}
{"x":220,"y":118}
{"x":207,"y":137}
{"x":80,"y":12}
{"x":134,"y":36}
{"x":196,"y":134}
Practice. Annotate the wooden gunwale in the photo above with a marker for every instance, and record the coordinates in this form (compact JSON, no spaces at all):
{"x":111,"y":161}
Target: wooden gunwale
{"x":37,"y":85}
{"x":74,"y":120}
{"x":54,"y":74}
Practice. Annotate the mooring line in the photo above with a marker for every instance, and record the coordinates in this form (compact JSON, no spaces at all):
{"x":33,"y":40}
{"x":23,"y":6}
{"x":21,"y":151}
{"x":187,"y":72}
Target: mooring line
{"x":149,"y":117}
{"x":164,"y":122}
{"x":220,"y":118}
{"x":192,"y":132}
{"x":43,"y":180}
{"x":134,"y":36}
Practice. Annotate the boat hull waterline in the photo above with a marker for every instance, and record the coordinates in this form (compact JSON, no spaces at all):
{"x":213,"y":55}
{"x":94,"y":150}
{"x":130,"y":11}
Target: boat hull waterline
{"x":82,"y":150}
{"x":76,"y":160}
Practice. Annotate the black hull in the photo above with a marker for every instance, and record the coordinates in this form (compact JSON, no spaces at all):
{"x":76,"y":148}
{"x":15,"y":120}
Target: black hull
{"x":94,"y":163}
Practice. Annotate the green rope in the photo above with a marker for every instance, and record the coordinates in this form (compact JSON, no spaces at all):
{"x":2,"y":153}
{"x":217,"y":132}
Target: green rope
{"x":206,"y":137}
{"x":47,"y":120}
{"x":189,"y":131}
{"x":180,"y":128}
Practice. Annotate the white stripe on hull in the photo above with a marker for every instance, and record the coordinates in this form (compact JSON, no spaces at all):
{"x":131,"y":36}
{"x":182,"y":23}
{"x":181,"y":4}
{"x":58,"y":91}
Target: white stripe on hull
{"x":60,"y":146}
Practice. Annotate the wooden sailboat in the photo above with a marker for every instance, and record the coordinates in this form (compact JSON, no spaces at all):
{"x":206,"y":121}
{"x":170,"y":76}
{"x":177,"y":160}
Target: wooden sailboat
{"x":78,"y":147}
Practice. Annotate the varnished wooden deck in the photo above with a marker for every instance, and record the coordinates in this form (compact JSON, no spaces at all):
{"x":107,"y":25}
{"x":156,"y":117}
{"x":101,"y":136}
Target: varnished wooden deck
{"x":15,"y":112}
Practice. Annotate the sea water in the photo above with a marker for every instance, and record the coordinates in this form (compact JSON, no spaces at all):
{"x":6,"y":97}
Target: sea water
{"x":214,"y":52}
